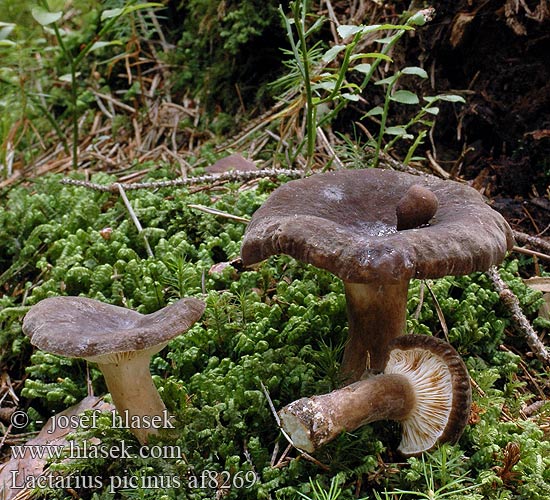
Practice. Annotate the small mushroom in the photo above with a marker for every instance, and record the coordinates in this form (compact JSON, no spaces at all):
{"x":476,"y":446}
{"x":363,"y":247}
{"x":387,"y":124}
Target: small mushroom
{"x":347,"y":222}
{"x":416,"y":208}
{"x":120,"y":341}
{"x":425,"y":386}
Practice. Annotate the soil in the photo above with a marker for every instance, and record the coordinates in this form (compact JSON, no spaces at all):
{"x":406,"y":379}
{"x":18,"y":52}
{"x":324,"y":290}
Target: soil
{"x":497,"y":55}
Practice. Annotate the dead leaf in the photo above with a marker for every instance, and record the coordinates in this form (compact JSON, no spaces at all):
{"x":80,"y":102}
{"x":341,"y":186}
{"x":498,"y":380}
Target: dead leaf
{"x":539,"y":283}
{"x":461,"y":20}
{"x":231,"y":162}
{"x":50,"y":435}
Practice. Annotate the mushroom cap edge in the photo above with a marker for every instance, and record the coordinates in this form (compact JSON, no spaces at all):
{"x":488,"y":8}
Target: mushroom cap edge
{"x":329,"y":227}
{"x":80,"y":327}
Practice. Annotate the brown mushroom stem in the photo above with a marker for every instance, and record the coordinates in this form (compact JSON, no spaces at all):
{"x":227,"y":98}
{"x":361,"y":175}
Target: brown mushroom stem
{"x":312,"y":422}
{"x":425,"y":386}
{"x":376,"y":315}
{"x":135,"y":396}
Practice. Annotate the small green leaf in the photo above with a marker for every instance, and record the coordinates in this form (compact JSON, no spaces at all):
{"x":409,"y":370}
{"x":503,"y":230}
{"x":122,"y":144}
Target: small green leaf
{"x":350,"y":97}
{"x":399,"y":131}
{"x":67,"y":77}
{"x":420,"y":18}
{"x":100,"y":45}
{"x":387,"y":81}
{"x":395,"y":27}
{"x":434,"y":110}
{"x":377,"y":110}
{"x":5,"y":30}
{"x":415,"y":70}
{"x":44,"y":17}
{"x":386,"y":40}
{"x":320,"y":21}
{"x":110,"y":13}
{"x":451,"y":98}
{"x":7,"y":43}
{"x":405,"y":97}
{"x":362,"y":68}
{"x":370,"y":29}
{"x":331,"y":53}
{"x":325,"y":85}
{"x":378,"y":55}
{"x":346,"y":30}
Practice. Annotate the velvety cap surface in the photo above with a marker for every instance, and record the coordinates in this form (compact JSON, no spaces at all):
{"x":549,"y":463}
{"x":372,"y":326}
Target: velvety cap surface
{"x":345,"y":222}
{"x":82,"y":327}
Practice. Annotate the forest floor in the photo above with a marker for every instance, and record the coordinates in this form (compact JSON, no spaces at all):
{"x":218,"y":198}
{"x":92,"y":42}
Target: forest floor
{"x":494,"y":54}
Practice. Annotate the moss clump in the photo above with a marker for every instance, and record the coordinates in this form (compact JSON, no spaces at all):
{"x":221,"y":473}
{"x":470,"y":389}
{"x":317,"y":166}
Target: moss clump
{"x":228,"y":51}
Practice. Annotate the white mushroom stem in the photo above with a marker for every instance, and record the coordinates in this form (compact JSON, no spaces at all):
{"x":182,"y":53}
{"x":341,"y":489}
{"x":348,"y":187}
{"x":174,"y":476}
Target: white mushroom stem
{"x":376,"y":315}
{"x":312,"y":422}
{"x":134,"y":393}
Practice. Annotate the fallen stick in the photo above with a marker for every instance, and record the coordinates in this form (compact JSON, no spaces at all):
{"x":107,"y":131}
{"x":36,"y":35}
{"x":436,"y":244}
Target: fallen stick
{"x":233,"y":176}
{"x":527,"y":239}
{"x":518,"y":318}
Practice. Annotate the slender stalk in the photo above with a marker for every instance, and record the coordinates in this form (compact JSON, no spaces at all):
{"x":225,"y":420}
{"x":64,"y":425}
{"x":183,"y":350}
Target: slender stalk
{"x":312,"y":422}
{"x":311,"y":110}
{"x":382,"y":125}
{"x":342,"y":103}
{"x":134,"y":394}
{"x":343,"y":69}
{"x":74,"y":93}
{"x":376,"y":315}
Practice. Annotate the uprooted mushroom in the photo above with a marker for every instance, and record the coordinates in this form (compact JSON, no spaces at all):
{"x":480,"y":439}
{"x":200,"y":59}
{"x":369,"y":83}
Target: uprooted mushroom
{"x":377,"y":229}
{"x":121,"y":341}
{"x":425,"y":386}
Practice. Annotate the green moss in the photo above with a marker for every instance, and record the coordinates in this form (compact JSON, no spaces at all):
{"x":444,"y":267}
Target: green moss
{"x":281,"y":324}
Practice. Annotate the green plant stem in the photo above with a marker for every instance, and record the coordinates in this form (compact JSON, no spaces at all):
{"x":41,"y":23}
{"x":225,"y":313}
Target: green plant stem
{"x":74,"y":94}
{"x":342,"y":72}
{"x":342,"y":103}
{"x":382,"y":125}
{"x":74,"y":62}
{"x":311,"y":110}
{"x":412,"y":149}
{"x":411,"y":122}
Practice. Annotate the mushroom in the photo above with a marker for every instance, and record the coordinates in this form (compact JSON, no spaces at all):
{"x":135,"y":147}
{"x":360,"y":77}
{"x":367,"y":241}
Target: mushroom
{"x":377,"y":229}
{"x":425,"y":386}
{"x":120,"y":341}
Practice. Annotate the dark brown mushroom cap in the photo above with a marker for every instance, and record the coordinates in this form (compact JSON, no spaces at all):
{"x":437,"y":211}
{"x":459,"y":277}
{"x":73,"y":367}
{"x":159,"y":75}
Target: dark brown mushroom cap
{"x":79,"y":327}
{"x":345,"y":222}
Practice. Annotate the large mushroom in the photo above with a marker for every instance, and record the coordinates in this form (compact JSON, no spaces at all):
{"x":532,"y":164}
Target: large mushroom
{"x":377,"y":229}
{"x":425,"y":386}
{"x":121,"y":341}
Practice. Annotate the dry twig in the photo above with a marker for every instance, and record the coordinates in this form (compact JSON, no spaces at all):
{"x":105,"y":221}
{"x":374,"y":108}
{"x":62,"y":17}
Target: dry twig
{"x":527,"y":239}
{"x":520,"y":321}
{"x":188,"y":181}
{"x":134,"y":218}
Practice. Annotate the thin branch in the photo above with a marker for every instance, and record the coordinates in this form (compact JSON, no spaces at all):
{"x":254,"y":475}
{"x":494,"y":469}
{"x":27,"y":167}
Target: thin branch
{"x":531,"y":253}
{"x":520,"y":321}
{"x":134,"y":218}
{"x":527,"y":239}
{"x":188,"y":181}
{"x":215,"y":211}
